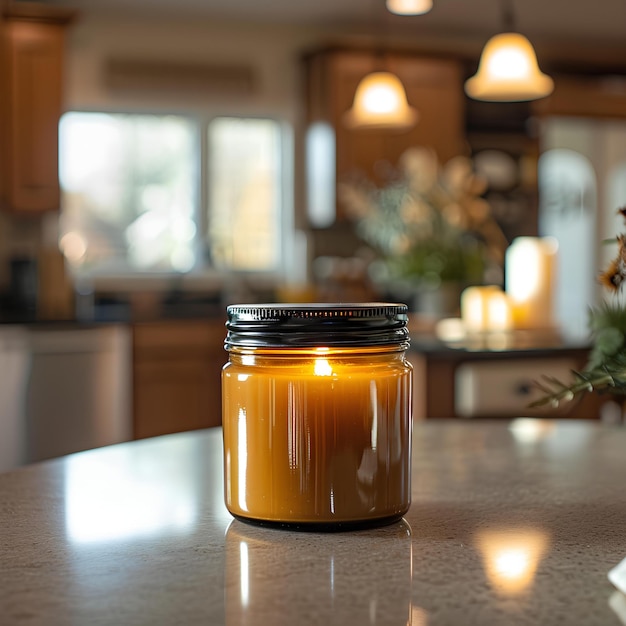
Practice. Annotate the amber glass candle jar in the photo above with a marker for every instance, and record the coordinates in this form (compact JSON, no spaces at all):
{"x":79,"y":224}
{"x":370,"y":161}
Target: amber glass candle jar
{"x":317,"y":414}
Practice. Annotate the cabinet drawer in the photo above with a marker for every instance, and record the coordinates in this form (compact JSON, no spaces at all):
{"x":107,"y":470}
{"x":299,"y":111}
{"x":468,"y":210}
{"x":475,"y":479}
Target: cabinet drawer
{"x":504,"y":388}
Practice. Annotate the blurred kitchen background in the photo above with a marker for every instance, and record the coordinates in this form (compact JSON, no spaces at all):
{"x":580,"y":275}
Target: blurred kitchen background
{"x":160,"y":160}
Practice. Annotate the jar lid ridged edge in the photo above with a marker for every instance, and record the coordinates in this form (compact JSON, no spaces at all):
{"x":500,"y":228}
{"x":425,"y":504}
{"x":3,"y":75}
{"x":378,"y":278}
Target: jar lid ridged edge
{"x":275,"y":311}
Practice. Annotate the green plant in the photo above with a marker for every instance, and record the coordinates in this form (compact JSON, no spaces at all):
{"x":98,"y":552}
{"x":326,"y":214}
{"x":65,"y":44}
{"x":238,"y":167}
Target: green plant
{"x":430,"y":225}
{"x":605,"y":370}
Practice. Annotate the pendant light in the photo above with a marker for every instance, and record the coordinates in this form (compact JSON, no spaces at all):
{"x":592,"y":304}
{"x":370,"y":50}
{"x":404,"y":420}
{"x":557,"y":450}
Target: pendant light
{"x":380,"y":100}
{"x":409,"y":7}
{"x":508,"y":69}
{"x":380,"y":103}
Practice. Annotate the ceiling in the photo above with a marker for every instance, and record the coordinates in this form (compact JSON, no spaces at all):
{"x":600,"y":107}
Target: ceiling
{"x":601,"y":21}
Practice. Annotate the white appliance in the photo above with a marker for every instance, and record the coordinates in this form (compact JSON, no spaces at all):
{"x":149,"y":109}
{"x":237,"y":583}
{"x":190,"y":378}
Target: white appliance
{"x":78,"y":393}
{"x":13,"y":376}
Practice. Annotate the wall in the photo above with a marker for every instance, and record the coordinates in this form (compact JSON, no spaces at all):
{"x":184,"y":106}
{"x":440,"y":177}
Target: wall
{"x":581,"y":177}
{"x":272,"y":53}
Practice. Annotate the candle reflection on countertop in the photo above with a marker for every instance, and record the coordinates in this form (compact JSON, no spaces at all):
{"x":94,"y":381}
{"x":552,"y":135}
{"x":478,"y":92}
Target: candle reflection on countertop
{"x":284,"y":577}
{"x":529,"y":431}
{"x":511,"y":557}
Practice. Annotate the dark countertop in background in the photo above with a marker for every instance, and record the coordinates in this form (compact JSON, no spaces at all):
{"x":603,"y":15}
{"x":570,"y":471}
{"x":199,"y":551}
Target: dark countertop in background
{"x":123,"y":311}
{"x":511,"y":343}
{"x":423,"y":339}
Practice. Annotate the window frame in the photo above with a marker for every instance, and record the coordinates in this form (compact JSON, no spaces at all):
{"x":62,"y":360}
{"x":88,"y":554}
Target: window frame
{"x":203,"y":270}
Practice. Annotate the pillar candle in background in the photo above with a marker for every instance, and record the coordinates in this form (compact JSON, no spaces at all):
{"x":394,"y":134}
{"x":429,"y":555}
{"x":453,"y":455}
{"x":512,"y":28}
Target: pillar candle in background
{"x":499,"y":314}
{"x":530,"y":265}
{"x":485,"y":309}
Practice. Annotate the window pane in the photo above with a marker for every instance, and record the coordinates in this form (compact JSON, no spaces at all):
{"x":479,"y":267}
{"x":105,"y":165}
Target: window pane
{"x":244,"y":193}
{"x":128,"y":191}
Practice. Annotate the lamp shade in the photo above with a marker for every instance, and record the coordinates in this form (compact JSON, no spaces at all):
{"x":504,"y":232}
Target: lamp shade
{"x":380,"y":102}
{"x":409,"y":7}
{"x":508,"y":72}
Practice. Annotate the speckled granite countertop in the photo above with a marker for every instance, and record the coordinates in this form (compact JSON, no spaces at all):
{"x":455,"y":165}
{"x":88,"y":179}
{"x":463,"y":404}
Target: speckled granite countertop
{"x":511,"y":523}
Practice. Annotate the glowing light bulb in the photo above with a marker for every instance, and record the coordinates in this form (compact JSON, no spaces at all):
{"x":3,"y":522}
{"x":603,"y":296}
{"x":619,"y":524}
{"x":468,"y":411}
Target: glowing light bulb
{"x":381,"y":99}
{"x":509,"y":63}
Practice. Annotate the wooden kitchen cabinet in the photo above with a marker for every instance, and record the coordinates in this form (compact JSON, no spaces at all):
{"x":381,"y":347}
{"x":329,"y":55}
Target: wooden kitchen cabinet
{"x":600,"y":96}
{"x":486,"y":384}
{"x":32,"y":57}
{"x":434,"y":86}
{"x":177,"y":376}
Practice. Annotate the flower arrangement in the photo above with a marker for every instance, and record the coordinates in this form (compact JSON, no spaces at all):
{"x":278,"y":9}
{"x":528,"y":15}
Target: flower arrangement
{"x":606,"y":366}
{"x":429,"y":225}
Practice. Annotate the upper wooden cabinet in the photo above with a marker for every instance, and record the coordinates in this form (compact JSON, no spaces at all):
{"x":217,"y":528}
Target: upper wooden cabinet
{"x":434,"y":86}
{"x":602,"y":96}
{"x":31,"y":55}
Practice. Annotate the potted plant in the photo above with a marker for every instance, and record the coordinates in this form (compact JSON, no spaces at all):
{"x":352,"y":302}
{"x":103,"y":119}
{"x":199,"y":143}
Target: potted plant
{"x":431,"y":228}
{"x":605,"y":370}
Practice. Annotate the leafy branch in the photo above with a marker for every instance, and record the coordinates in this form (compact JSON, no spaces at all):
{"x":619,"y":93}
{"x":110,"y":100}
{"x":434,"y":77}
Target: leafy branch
{"x":606,"y":365}
{"x":606,"y":377}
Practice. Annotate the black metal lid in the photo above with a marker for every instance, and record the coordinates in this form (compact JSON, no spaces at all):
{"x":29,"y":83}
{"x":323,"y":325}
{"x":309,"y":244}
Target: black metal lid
{"x":323,"y":324}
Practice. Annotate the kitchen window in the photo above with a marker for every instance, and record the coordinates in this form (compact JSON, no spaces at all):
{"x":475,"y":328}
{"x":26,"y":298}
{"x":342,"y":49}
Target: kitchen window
{"x":169,"y":193}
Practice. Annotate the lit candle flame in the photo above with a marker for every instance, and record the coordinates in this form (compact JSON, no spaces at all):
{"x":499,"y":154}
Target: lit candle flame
{"x":322,"y":368}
